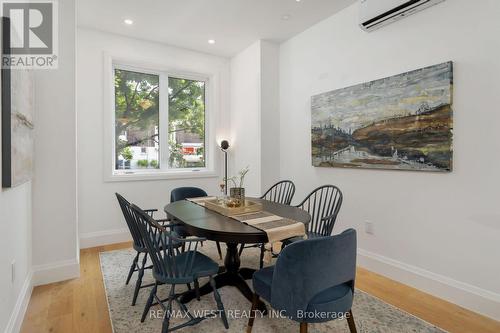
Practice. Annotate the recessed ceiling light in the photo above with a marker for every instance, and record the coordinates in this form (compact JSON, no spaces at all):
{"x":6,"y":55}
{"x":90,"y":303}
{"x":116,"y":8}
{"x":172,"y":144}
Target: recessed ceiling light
{"x":285,"y":17}
{"x":297,"y":0}
{"x":128,"y":21}
{"x":211,"y":41}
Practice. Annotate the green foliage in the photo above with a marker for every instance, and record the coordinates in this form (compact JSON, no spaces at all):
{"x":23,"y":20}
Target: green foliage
{"x":153,"y":164}
{"x":136,"y":104}
{"x":127,"y":153}
{"x":175,"y":158}
{"x":142,"y":163}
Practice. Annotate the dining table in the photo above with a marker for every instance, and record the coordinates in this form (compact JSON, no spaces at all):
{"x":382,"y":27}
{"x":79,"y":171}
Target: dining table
{"x":203,"y":222}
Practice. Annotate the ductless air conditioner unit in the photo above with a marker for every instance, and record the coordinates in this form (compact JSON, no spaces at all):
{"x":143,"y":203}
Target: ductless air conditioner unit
{"x":377,"y":13}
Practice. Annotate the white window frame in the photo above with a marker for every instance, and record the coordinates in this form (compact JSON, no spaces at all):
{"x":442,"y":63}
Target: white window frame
{"x":110,"y":173}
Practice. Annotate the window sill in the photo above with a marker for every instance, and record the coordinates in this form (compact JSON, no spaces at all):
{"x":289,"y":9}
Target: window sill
{"x":159,"y":175}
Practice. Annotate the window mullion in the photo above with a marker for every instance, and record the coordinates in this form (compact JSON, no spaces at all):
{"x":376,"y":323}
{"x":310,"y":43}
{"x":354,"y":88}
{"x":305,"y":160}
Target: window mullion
{"x":164,"y":134}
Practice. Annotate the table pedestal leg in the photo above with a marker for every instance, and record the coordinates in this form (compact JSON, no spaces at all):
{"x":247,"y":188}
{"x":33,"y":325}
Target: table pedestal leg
{"x":230,"y":275}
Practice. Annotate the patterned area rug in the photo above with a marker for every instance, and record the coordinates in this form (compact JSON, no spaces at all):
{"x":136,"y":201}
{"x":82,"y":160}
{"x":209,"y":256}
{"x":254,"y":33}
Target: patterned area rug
{"x":370,"y":313}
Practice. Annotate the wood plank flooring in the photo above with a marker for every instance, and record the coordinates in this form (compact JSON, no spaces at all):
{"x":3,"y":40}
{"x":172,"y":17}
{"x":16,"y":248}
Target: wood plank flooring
{"x":80,"y":305}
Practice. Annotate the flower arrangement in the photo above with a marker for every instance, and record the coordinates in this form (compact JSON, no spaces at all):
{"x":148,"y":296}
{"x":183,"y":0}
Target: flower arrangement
{"x":238,"y":181}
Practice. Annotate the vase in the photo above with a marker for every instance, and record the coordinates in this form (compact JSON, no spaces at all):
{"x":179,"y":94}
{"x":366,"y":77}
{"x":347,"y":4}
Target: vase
{"x":238,"y":193}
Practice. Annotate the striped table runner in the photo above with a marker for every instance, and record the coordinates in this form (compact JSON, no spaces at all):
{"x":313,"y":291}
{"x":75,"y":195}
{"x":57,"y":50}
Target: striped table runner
{"x":276,"y":227}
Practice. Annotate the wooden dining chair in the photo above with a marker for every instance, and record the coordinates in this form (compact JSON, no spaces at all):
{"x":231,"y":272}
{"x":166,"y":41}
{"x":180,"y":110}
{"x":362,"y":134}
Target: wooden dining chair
{"x":138,"y":245}
{"x":282,"y":192}
{"x":323,"y":204}
{"x":174,"y":267}
{"x":183,"y":193}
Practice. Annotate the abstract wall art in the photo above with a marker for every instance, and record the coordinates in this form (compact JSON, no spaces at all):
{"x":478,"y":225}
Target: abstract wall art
{"x":403,"y":122}
{"x":17,"y":92}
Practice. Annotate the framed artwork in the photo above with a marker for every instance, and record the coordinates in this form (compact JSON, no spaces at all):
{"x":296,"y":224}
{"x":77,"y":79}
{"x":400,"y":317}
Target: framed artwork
{"x":403,"y":122}
{"x":17,"y":119}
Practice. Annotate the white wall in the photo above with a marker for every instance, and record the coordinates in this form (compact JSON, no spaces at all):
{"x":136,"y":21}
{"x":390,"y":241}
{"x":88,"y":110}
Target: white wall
{"x":15,"y":228}
{"x":270,"y":115}
{"x":255,"y":115}
{"x":100,"y":219}
{"x":438,"y":232}
{"x":245,"y":135}
{"x":55,"y":242}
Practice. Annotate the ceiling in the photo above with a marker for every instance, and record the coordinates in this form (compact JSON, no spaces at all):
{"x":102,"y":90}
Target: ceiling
{"x":233,"y":24}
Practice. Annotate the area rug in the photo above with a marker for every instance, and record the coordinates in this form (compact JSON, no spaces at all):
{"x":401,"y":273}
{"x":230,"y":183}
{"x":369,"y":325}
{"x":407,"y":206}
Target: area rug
{"x":370,"y":313}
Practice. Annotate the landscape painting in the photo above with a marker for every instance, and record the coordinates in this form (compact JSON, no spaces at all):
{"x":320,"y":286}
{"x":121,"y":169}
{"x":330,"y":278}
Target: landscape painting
{"x":403,"y":122}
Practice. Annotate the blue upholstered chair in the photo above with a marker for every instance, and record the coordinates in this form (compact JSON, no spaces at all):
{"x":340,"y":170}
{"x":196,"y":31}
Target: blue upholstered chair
{"x":173,"y":267}
{"x":183,"y":193}
{"x":311,"y":278}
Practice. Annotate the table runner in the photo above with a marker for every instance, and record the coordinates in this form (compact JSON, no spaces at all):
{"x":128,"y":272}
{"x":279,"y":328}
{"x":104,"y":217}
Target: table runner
{"x":276,"y":227}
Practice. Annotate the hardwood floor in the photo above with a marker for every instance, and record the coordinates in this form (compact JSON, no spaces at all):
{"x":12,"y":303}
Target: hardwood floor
{"x":80,"y":305}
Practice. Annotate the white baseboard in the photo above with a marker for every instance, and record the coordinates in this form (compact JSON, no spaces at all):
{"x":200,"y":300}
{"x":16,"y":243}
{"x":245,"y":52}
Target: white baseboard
{"x":55,"y":272}
{"x":99,"y":238}
{"x":17,"y":315}
{"x":463,"y":294}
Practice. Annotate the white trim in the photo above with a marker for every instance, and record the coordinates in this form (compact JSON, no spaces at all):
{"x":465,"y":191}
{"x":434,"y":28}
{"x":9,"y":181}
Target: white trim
{"x":99,"y":238}
{"x":137,"y":176}
{"x":463,"y":294}
{"x":56,"y":271}
{"x":17,"y":315}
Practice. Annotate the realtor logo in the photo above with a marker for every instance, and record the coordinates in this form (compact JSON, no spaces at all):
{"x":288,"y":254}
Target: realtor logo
{"x":29,"y":34}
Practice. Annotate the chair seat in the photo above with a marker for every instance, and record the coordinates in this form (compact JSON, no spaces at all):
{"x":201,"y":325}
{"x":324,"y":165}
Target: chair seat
{"x":262,"y":281}
{"x":202,"y":266}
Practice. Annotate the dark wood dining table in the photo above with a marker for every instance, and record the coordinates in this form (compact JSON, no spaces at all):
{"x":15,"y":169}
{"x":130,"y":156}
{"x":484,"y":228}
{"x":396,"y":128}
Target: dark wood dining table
{"x":202,"y":222}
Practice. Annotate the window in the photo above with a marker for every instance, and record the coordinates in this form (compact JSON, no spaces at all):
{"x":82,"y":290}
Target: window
{"x":159,"y":122}
{"x":136,"y":120}
{"x":186,"y":123}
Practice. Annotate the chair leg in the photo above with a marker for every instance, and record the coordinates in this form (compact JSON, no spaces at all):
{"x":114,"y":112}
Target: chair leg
{"x":261,"y":260}
{"x":168,"y":309}
{"x":138,"y":283}
{"x":197,"y":289}
{"x":219,"y":249}
{"x":149,"y":302}
{"x":350,"y":322}
{"x":255,"y":303}
{"x":132,"y":268}
{"x":303,"y":327}
{"x":220,"y":305}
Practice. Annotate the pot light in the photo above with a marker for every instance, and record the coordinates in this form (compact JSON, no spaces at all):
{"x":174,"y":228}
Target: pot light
{"x":285,"y":17}
{"x":211,"y":41}
{"x":128,"y":21}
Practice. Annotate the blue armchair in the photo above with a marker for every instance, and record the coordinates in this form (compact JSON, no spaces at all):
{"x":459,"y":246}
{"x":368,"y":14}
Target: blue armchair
{"x":312,"y":281}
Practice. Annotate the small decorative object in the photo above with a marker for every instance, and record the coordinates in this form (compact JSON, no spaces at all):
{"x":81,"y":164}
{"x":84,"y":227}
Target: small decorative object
{"x":403,"y":122}
{"x":237,"y":192}
{"x":222,"y":187}
{"x":229,"y":208}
